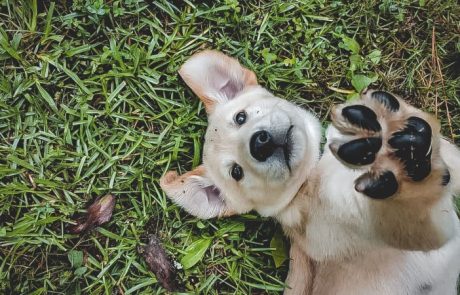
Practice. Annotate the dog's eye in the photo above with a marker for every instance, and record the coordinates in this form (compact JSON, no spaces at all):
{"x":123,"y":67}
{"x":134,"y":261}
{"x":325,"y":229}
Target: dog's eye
{"x":237,"y":172}
{"x":240,"y":118}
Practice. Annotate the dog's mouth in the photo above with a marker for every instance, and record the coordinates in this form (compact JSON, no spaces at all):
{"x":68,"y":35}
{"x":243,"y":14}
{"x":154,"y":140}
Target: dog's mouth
{"x":287,"y":147}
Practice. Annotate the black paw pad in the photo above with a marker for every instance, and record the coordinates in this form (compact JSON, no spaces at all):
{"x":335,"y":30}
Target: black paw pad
{"x":446,"y":178}
{"x":414,"y":140}
{"x":360,"y":151}
{"x":361,"y":116}
{"x":381,"y":187}
{"x":413,"y":146}
{"x":417,"y":170}
{"x":388,"y":100}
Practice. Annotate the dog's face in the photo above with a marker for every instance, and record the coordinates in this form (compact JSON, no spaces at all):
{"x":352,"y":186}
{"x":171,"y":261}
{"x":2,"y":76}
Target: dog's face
{"x":258,"y":148}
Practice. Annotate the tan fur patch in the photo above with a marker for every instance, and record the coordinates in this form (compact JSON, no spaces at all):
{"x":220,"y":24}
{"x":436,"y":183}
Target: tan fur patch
{"x":171,"y":179}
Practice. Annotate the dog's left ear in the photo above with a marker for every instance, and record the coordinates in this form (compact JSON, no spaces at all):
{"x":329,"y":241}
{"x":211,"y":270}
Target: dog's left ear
{"x":196,"y":193}
{"x":215,"y":77}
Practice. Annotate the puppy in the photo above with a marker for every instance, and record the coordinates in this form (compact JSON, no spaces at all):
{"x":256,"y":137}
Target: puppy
{"x":373,"y":215}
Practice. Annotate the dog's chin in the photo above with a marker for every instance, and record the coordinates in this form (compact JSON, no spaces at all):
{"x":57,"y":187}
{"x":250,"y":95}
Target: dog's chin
{"x":287,"y":147}
{"x":288,"y":160}
{"x":295,"y":148}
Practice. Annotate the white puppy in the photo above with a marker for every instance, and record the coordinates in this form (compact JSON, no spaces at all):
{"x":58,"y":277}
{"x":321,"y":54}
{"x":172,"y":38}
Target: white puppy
{"x":374,"y":215}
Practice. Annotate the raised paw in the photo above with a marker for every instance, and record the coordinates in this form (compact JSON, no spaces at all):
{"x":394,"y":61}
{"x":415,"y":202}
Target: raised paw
{"x":396,"y":144}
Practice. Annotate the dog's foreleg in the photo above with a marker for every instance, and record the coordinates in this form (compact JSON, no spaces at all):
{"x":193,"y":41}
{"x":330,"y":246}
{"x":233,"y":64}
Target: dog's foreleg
{"x":301,"y":272}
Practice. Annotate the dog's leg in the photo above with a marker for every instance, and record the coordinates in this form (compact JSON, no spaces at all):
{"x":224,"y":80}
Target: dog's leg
{"x":301,"y":271}
{"x":404,"y":175}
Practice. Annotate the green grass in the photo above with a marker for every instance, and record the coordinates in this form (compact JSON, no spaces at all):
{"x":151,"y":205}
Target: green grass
{"x":91,"y":103}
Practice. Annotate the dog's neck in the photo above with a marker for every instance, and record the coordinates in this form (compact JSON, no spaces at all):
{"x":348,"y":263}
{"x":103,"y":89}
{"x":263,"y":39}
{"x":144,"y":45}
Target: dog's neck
{"x":274,"y":210}
{"x":293,"y":217}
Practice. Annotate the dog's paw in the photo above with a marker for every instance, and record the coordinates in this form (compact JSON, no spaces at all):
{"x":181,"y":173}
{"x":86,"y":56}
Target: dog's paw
{"x":397,"y":145}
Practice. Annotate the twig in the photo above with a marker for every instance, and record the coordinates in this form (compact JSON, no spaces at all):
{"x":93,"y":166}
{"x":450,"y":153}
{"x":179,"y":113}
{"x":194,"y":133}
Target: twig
{"x":438,"y":69}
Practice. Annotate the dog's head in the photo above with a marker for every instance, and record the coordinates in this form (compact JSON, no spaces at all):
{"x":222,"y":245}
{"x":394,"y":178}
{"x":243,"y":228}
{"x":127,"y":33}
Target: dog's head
{"x":258,"y":148}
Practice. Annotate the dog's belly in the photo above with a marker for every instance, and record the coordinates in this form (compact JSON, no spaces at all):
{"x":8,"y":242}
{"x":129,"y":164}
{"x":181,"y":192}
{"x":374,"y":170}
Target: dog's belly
{"x":391,"y":271}
{"x":340,"y":218}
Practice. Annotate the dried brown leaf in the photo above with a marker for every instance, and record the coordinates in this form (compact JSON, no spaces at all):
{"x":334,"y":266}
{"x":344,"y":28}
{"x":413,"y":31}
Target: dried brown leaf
{"x":159,"y":263}
{"x":98,"y":213}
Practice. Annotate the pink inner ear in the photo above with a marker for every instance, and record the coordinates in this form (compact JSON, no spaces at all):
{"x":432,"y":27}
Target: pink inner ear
{"x":230,"y":89}
{"x":226,"y":82}
{"x":214,"y":196}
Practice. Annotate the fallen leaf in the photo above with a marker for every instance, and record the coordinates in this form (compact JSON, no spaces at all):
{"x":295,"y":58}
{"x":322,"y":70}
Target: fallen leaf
{"x":280,"y":252}
{"x":349,"y":44}
{"x":195,"y":252}
{"x":159,"y":263}
{"x":98,"y":213}
{"x":375,"y":56}
{"x":76,"y":258}
{"x":268,"y":56}
{"x":360,"y":82}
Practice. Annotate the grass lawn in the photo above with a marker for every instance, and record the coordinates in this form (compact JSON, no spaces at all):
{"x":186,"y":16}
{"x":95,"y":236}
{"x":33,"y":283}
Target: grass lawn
{"x":91,"y":104}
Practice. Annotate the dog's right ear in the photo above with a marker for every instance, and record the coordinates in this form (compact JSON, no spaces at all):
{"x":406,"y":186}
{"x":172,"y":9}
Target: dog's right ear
{"x":215,"y":77}
{"x":196,"y":193}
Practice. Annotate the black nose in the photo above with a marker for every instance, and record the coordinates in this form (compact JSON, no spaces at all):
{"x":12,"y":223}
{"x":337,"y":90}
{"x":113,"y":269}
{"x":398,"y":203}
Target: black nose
{"x":262,"y":145}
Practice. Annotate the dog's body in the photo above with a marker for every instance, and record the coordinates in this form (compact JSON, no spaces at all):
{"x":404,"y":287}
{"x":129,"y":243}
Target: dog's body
{"x":349,"y":260}
{"x":374,"y":215}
